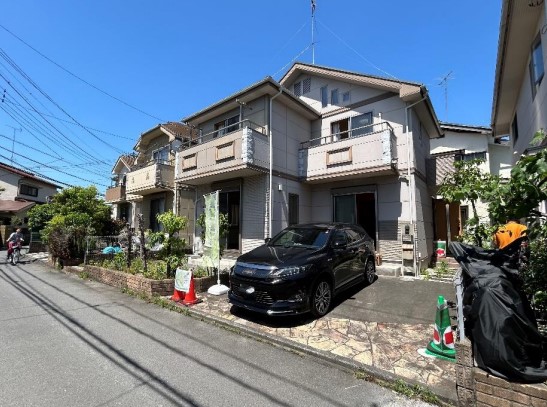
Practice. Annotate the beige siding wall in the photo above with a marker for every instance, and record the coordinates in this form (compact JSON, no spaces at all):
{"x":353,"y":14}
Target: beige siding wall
{"x":254,"y":200}
{"x":289,"y":130}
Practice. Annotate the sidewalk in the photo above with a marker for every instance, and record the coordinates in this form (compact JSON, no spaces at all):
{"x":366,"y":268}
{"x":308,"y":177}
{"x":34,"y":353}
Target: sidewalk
{"x":377,"y":329}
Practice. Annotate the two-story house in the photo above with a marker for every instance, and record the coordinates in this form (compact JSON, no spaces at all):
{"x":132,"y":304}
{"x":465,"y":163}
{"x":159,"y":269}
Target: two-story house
{"x":145,"y":183}
{"x":463,"y":142}
{"x":520,"y":93}
{"x":116,"y":196}
{"x":20,"y":190}
{"x":322,"y":144}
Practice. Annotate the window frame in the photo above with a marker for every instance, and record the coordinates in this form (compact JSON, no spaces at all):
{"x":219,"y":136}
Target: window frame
{"x":293,"y":215}
{"x":536,"y":63}
{"x":29,"y":190}
{"x":324,"y":96}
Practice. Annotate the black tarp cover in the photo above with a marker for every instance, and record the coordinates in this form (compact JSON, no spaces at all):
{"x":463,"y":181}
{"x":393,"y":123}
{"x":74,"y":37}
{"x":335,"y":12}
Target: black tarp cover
{"x":498,"y":316}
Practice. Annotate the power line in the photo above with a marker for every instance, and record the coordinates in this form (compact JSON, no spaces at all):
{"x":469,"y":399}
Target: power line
{"x":35,"y":85}
{"x":62,"y":172}
{"x":81,"y":79}
{"x":69,"y":122}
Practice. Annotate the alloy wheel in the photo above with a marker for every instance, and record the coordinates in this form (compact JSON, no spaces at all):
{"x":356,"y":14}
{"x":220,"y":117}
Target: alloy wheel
{"x":370,"y":272}
{"x":322,"y":298}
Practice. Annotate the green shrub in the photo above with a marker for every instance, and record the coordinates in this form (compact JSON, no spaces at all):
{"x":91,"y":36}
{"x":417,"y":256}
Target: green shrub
{"x":157,"y":270}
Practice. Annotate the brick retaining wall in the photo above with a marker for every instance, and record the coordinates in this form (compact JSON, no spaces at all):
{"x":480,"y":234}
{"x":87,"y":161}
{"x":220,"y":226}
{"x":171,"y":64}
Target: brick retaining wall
{"x":476,"y":388}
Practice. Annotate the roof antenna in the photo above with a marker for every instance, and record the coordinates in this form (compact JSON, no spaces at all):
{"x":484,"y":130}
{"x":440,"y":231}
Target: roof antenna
{"x":444,"y":83}
{"x":313,"y":32}
{"x":13,"y":143}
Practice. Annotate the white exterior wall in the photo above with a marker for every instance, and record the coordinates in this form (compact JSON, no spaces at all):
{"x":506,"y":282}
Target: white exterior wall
{"x":531,"y":112}
{"x":11,"y":182}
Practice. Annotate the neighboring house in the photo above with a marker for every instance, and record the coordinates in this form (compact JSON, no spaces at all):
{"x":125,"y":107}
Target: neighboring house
{"x":323,"y":144}
{"x":520,"y":93}
{"x":148,"y":178}
{"x":20,"y":191}
{"x":122,"y":206}
{"x":463,"y":142}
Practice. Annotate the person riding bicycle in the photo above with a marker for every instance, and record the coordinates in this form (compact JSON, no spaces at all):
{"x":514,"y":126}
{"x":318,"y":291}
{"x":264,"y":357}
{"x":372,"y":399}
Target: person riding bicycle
{"x":15,"y":239}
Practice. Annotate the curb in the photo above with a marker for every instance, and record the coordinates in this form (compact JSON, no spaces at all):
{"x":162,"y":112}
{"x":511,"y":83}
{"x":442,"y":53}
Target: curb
{"x":337,"y":361}
{"x":340,"y":362}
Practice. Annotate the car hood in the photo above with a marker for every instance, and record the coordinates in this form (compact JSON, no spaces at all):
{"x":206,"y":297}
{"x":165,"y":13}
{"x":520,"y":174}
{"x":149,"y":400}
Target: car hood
{"x":278,"y":256}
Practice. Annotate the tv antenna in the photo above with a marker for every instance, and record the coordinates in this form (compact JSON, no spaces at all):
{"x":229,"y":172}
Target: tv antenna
{"x":313,"y":4}
{"x":444,"y":84}
{"x":13,"y":142}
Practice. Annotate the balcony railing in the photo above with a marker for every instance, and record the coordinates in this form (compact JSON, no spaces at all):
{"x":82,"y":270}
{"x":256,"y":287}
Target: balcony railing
{"x":365,"y":150}
{"x":115,"y":194}
{"x":224,"y":131}
{"x":238,"y":153}
{"x":154,"y":177}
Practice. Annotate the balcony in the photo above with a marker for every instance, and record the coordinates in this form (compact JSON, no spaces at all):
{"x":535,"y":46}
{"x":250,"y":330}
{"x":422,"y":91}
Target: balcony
{"x":115,"y":194}
{"x":151,"y":178}
{"x":366,"y":151}
{"x":238,"y":150}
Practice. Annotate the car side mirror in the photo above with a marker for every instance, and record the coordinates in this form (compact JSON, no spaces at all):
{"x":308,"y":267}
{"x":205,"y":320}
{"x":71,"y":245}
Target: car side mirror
{"x":267,"y":240}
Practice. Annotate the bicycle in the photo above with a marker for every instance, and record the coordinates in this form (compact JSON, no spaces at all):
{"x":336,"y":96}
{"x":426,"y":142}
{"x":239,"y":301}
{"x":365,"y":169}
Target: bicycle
{"x":15,"y":255}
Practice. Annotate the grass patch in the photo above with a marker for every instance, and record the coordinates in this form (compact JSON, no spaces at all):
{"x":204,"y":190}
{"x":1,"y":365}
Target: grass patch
{"x":415,"y":392}
{"x":84,"y":275}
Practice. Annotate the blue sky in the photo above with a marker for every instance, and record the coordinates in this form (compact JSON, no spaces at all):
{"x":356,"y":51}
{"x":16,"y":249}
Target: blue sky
{"x":87,"y":78}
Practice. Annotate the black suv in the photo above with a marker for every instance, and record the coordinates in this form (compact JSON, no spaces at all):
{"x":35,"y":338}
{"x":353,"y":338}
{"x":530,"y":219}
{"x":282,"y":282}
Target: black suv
{"x":302,"y":268}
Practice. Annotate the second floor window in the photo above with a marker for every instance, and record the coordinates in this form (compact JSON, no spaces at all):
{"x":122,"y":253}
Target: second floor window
{"x":28,"y":190}
{"x":161,"y":155}
{"x":226,"y":126}
{"x":537,"y":69}
{"x":324,"y":96}
{"x":334,"y":97}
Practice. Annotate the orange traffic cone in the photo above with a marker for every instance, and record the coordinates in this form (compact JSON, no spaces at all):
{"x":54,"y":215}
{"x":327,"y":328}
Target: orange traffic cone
{"x":190,"y":297}
{"x":177,"y":295}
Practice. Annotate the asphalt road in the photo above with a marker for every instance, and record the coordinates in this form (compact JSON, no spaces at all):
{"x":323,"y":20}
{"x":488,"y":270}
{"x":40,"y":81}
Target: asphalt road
{"x":65,"y":341}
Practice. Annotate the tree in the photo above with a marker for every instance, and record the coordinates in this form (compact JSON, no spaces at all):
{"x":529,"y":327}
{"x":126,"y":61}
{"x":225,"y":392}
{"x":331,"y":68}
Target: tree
{"x":72,"y":215}
{"x":173,"y":245}
{"x":469,"y":183}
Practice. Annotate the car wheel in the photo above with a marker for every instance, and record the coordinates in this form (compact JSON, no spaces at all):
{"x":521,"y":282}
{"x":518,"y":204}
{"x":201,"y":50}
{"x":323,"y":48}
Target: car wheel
{"x":321,"y":298}
{"x":370,"y":272}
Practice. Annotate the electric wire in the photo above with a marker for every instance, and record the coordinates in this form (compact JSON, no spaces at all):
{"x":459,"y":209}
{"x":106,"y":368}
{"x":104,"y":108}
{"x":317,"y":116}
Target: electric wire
{"x":35,"y":85}
{"x":81,"y":79}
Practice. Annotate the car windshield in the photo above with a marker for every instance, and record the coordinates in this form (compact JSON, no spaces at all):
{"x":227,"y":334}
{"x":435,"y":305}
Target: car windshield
{"x":301,"y":237}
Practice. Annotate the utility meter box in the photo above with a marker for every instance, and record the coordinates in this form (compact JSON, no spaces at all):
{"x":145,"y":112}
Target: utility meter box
{"x":407,"y":243}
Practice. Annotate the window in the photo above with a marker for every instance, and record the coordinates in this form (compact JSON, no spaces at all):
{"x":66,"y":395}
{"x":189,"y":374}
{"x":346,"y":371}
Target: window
{"x":346,"y":97}
{"x":471,"y":156}
{"x":334,"y":97}
{"x":226,"y":126}
{"x":293,"y":209}
{"x":324,"y":96}
{"x":306,"y":85}
{"x":28,"y":190}
{"x":361,"y":124}
{"x":339,"y":130}
{"x":515,"y":130}
{"x":297,"y":88}
{"x":536,"y":65}
{"x":161,"y":155}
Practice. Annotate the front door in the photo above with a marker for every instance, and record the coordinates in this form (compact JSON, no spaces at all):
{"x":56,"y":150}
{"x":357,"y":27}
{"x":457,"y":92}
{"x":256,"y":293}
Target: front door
{"x":229,"y":204}
{"x":359,"y":209}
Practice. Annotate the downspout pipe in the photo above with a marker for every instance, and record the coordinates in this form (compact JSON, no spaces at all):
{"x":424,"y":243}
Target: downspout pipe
{"x":270,"y":131}
{"x":410,"y":184}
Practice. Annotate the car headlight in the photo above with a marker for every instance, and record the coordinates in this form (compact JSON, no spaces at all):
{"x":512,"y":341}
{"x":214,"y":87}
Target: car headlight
{"x":293,"y":271}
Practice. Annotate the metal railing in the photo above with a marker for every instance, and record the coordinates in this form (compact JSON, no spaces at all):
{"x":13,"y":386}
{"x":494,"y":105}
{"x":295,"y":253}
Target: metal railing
{"x":224,"y":131}
{"x":344,"y":135}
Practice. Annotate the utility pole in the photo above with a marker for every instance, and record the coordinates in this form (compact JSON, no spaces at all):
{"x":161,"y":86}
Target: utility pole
{"x":13,"y":141}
